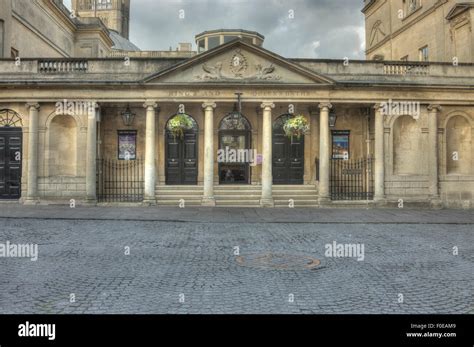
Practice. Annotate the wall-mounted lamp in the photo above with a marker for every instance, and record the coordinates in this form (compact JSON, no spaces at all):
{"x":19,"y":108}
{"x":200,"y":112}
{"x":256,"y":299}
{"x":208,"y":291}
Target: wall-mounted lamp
{"x":128,"y":116}
{"x":332,"y":119}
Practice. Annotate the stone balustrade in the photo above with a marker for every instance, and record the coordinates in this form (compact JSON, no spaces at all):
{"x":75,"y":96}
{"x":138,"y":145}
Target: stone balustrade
{"x":62,"y":66}
{"x":402,"y":68}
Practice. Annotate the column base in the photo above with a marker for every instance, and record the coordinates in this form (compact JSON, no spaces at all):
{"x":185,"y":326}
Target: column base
{"x":380,"y":201}
{"x":208,"y":202}
{"x":90,"y":202}
{"x":31,"y":201}
{"x":267,"y":202}
{"x":324,"y":201}
{"x":147,"y":202}
{"x":436,"y":203}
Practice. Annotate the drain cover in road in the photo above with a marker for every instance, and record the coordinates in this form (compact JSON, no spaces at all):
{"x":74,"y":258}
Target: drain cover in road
{"x":276,"y":261}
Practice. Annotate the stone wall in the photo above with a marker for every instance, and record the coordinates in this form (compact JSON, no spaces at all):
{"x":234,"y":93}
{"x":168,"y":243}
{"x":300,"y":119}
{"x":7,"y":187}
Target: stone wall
{"x":425,"y":26}
{"x":36,"y":33}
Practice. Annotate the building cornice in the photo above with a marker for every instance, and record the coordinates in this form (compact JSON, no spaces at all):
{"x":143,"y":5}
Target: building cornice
{"x":95,"y":30}
{"x":368,"y":6}
{"x":63,"y":17}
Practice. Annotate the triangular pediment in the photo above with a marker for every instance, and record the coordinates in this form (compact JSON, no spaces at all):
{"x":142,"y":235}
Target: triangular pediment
{"x":238,"y":62}
{"x":458,"y":9}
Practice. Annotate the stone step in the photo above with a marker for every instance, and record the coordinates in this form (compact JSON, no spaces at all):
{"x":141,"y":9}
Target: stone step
{"x":313,"y":202}
{"x":238,"y":203}
{"x":179,"y":192}
{"x":313,"y":206}
{"x":176,"y":202}
{"x":302,"y":197}
{"x":238,"y":197}
{"x":193,"y":188}
{"x":236,"y":188}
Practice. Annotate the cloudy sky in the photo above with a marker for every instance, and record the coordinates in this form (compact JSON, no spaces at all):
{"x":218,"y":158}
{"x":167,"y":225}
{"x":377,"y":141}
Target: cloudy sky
{"x":319,"y":29}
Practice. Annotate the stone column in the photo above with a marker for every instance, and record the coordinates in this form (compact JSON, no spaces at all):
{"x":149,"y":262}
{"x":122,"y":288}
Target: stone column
{"x":150,"y":153}
{"x":324,"y":152}
{"x":433,"y":111}
{"x":32,"y":185}
{"x":267,"y":160}
{"x":208,"y":197}
{"x":379,"y":167}
{"x":91,"y":156}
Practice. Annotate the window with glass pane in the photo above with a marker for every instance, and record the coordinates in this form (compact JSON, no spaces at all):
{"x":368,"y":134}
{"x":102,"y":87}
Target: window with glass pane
{"x":424,"y":54}
{"x":229,"y":38}
{"x":413,"y":5}
{"x":213,"y":42}
{"x":104,"y":4}
{"x":201,"y":46}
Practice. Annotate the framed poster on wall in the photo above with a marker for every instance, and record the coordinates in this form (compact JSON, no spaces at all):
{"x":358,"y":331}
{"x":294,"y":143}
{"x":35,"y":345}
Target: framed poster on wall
{"x":340,"y":144}
{"x":127,"y":144}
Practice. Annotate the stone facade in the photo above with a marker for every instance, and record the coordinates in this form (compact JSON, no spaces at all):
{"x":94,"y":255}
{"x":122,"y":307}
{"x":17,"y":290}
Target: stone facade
{"x":399,"y":29}
{"x":379,"y":132}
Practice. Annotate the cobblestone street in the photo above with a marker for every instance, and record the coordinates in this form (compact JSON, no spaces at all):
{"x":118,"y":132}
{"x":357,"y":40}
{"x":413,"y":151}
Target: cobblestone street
{"x":236,"y":261}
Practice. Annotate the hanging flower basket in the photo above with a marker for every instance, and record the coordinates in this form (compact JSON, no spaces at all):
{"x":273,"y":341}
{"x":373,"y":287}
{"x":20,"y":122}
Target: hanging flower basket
{"x":296,"y":127}
{"x":179,"y":124}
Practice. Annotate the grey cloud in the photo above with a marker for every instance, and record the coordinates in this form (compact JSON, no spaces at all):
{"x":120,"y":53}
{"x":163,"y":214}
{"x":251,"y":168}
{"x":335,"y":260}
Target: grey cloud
{"x":320,"y":29}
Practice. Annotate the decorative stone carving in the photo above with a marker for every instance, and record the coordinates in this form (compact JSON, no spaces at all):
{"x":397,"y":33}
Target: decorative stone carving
{"x":238,"y":68}
{"x":238,"y":64}
{"x":211,"y":72}
{"x":266,"y":73}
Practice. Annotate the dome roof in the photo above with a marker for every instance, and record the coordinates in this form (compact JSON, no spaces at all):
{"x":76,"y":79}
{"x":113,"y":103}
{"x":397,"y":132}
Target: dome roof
{"x":121,"y":43}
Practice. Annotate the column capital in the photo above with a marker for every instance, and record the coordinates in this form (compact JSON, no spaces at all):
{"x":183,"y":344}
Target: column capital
{"x":209,"y":105}
{"x":379,"y":106}
{"x":32,"y":104}
{"x":325,"y":105}
{"x":267,"y":104}
{"x":150,"y":104}
{"x":435,"y":108}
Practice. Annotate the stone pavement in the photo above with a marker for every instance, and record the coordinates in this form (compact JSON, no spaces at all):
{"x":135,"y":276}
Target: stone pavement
{"x":240,"y":215}
{"x":236,"y":261}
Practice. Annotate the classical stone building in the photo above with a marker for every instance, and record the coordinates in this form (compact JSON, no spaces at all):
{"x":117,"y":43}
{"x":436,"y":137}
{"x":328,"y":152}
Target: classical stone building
{"x":424,"y":30}
{"x":100,"y":130}
{"x":94,"y":29}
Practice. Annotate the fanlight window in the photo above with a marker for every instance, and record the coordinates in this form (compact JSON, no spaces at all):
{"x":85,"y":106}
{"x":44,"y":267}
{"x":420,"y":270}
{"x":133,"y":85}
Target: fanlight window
{"x":185,"y":121}
{"x":10,"y":119}
{"x":280,"y":122}
{"x":235,"y":121}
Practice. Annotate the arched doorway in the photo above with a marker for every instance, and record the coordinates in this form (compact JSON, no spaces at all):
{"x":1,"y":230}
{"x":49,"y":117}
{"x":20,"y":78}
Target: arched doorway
{"x":182,"y":154}
{"x":10,"y":154}
{"x":288,"y":155}
{"x":235,"y":152}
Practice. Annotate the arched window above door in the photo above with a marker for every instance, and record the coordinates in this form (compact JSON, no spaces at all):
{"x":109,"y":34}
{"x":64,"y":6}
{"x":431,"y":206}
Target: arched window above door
{"x":280,"y":122}
{"x":235,"y":121}
{"x":10,"y":119}
{"x":181,"y":118}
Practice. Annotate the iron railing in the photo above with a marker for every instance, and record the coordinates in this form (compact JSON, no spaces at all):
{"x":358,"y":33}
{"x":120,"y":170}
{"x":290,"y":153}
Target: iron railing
{"x":120,"y":180}
{"x":352,"y":179}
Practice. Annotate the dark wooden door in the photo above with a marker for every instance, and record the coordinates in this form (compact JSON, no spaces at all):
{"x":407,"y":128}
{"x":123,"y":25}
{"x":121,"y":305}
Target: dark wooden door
{"x":237,"y":172}
{"x":288,"y":159}
{"x":10,"y":163}
{"x":182,"y":159}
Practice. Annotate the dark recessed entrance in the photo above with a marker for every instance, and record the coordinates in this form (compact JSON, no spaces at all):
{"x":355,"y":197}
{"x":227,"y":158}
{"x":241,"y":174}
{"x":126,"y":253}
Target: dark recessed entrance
{"x":235,"y":147}
{"x":10,"y":162}
{"x":288,"y":155}
{"x":182,"y":156}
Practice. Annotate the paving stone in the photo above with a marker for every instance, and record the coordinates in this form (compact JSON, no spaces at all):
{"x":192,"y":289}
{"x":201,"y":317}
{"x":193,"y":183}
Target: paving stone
{"x":195,"y":257}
